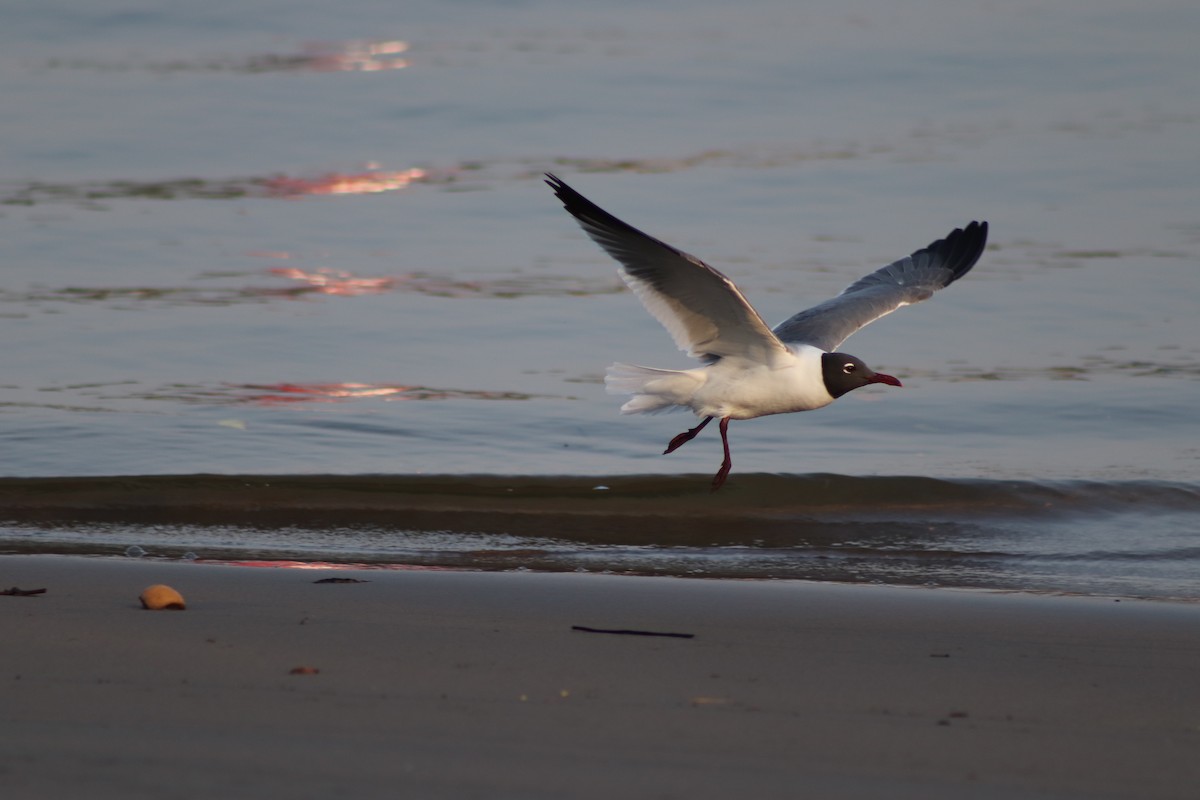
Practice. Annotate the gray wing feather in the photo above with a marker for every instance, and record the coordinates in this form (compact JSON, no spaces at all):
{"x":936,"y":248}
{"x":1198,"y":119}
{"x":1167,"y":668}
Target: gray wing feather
{"x":910,"y":280}
{"x":703,"y":311}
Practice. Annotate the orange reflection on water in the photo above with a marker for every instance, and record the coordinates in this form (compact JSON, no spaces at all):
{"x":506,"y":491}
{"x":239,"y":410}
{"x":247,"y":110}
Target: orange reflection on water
{"x":344,"y":183}
{"x":336,"y":281}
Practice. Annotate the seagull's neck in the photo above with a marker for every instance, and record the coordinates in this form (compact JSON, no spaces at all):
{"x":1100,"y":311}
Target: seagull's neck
{"x":809,"y":356}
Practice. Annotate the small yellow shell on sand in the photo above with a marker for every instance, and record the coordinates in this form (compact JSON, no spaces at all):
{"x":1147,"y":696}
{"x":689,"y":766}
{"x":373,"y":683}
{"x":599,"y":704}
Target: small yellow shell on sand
{"x":158,"y":597}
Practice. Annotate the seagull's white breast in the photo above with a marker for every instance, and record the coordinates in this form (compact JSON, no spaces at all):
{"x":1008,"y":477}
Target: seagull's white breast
{"x":743,"y":389}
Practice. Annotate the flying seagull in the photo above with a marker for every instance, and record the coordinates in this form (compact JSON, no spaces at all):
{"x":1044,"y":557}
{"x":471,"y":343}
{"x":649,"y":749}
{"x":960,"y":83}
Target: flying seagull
{"x":749,"y":369}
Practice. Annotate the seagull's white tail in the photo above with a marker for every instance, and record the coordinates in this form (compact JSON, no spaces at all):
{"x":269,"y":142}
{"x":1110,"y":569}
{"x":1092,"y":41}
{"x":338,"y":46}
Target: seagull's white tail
{"x":652,"y":389}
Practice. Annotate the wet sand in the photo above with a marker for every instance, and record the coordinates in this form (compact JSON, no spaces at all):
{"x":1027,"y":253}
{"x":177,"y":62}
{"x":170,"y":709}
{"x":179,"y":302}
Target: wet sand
{"x":462,"y":685}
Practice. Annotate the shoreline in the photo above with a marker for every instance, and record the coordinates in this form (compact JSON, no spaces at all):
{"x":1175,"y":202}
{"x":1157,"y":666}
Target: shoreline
{"x":1071,"y":537}
{"x":444,"y":683}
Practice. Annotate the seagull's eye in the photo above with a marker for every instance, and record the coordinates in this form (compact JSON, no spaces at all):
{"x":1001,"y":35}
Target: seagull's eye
{"x":849,"y":369}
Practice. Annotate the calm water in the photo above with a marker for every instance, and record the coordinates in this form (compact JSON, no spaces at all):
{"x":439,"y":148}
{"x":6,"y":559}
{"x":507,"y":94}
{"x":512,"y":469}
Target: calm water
{"x":301,"y":239}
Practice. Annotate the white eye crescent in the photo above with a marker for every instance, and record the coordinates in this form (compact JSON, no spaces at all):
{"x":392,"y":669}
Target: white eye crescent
{"x":849,"y":368}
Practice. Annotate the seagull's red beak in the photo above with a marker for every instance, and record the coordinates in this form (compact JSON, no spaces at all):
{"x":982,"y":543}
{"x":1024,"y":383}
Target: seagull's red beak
{"x":879,"y":377}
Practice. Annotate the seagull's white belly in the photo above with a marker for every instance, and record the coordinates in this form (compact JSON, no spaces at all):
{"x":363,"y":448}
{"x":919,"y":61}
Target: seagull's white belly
{"x":743,"y":389}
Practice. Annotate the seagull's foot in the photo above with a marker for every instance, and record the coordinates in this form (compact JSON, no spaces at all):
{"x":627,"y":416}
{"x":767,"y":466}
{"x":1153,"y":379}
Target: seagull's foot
{"x":719,"y":479}
{"x":680,"y":440}
{"x":686,"y":436}
{"x":723,"y":472}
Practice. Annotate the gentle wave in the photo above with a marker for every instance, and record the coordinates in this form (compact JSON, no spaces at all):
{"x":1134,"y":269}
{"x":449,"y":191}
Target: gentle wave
{"x":586,"y":506}
{"x":1126,"y":538}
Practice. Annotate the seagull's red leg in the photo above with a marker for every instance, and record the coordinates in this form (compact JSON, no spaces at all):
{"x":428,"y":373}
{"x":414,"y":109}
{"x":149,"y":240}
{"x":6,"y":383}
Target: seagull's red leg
{"x":723,"y":472}
{"x":686,"y":436}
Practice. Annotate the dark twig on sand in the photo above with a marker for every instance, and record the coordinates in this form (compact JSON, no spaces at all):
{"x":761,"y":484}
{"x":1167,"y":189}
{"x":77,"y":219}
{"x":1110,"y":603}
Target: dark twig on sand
{"x":15,"y":592}
{"x":627,"y":632}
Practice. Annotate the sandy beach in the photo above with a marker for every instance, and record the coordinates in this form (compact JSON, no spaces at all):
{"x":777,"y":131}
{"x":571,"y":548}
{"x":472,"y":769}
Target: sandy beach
{"x":447,"y":684}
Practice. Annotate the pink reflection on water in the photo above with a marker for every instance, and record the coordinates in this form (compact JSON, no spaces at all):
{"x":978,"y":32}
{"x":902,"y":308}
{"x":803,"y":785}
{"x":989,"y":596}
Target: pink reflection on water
{"x":336,"y":281}
{"x":323,"y":565}
{"x":277,"y":394}
{"x":281,"y":393}
{"x":330,"y":281}
{"x":370,"y":182}
{"x":346,"y":284}
{"x":355,"y":56}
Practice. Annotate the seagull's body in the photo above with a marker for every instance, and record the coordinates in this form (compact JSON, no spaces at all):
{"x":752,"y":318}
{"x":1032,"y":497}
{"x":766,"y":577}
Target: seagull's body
{"x":733,"y":386}
{"x":749,"y":369}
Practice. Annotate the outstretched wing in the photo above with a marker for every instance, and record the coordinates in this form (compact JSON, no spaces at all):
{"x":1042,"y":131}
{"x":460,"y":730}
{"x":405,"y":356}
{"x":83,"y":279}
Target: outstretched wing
{"x":904,"y":282}
{"x":703,"y":311}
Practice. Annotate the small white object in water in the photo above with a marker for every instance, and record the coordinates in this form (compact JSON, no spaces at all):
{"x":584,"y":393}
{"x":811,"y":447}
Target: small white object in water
{"x":133,"y":551}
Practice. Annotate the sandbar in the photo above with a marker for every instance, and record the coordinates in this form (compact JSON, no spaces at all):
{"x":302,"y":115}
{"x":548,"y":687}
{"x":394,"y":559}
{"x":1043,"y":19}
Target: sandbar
{"x":431,"y":683}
